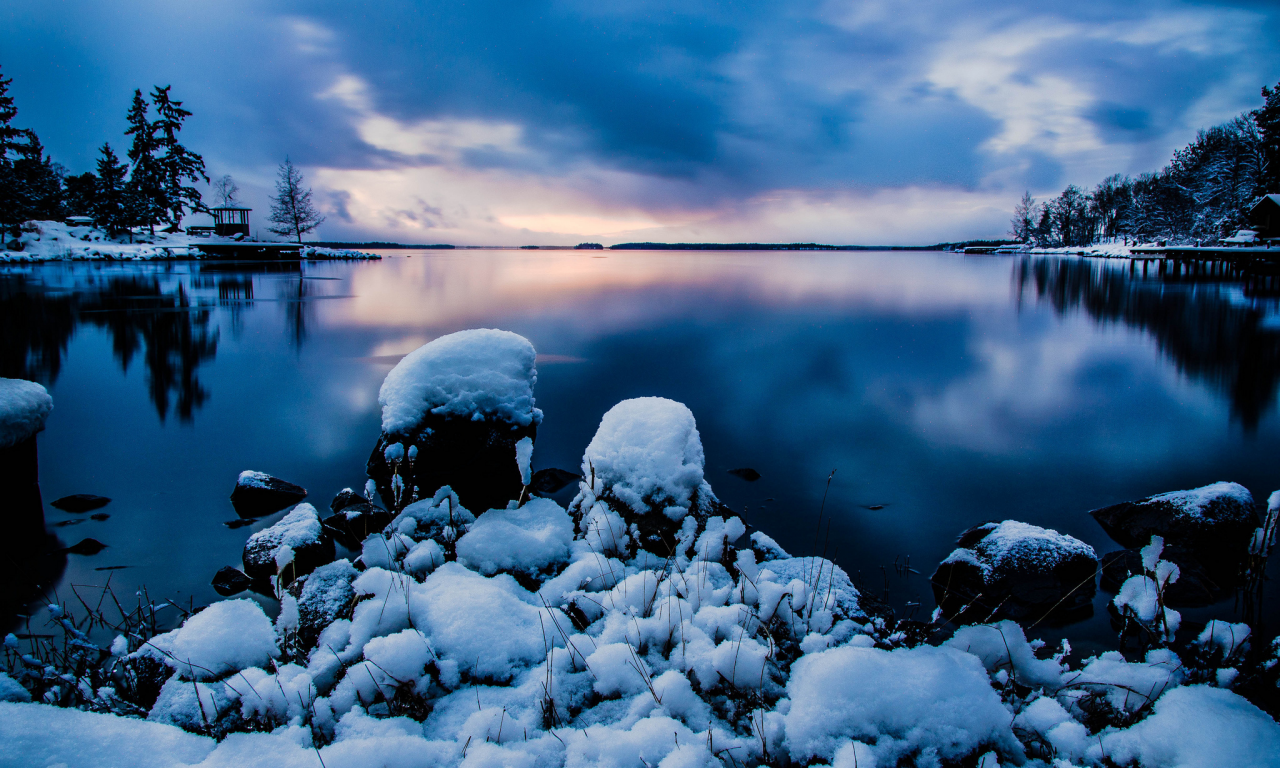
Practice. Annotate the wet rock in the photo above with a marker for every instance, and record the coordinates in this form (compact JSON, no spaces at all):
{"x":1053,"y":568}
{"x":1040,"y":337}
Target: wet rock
{"x":351,"y":524}
{"x":230,"y":581}
{"x":1017,"y":571}
{"x":547,"y":482}
{"x":296,"y":545}
{"x":452,"y":413}
{"x":240,"y":522}
{"x":746,"y":473}
{"x":345,"y":498}
{"x":80,"y":502}
{"x":1194,"y":588}
{"x":325,"y":595}
{"x":86,"y":547}
{"x":258,"y":494}
{"x":1213,"y":523}
{"x":644,"y":485}
{"x":100,"y":516}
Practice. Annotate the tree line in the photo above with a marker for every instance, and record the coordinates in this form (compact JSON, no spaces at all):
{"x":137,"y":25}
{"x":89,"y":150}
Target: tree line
{"x":1203,"y":194}
{"x":154,"y":187}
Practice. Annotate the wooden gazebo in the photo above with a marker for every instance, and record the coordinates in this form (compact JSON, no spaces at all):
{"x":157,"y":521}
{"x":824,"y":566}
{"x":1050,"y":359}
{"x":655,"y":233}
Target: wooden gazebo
{"x":229,"y":221}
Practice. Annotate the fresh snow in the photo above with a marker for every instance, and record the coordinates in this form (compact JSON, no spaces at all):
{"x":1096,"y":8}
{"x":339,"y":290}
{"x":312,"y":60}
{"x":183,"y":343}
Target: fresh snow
{"x":1198,"y":727}
{"x":24,"y":406}
{"x":529,"y":539}
{"x":225,"y":637}
{"x":1192,"y":503}
{"x":481,"y":373}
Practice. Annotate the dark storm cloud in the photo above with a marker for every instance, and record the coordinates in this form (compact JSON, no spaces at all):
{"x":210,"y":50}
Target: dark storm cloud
{"x":730,"y":98}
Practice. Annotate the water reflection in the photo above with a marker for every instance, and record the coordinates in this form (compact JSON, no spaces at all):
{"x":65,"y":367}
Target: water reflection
{"x":1208,"y":319}
{"x":173,"y":334}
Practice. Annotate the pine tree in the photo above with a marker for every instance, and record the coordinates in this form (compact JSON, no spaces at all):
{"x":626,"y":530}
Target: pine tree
{"x":80,"y":194}
{"x":37,"y":181}
{"x":145,"y":190}
{"x":13,"y":142}
{"x":176,"y":164}
{"x":110,"y":209}
{"x":1267,"y":118}
{"x":291,"y":209}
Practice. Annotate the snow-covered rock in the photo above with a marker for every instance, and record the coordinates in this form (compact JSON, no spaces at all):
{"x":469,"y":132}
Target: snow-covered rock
{"x":1015,"y":570}
{"x":528,"y":540}
{"x":453,"y":412}
{"x":258,"y":494}
{"x":226,"y":637}
{"x":294,"y":546}
{"x":644,"y":468}
{"x":1213,"y":523}
{"x":24,"y":407}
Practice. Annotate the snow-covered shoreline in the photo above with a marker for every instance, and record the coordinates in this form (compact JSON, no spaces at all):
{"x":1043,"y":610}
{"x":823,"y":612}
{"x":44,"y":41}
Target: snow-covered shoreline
{"x":58,"y":241}
{"x":642,"y":625}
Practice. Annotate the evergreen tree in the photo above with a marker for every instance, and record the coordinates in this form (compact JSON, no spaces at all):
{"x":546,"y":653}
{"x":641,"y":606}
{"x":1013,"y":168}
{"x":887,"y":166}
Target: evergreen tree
{"x":176,"y":164}
{"x":292,"y":212}
{"x":145,"y":190}
{"x":80,"y":194}
{"x":13,"y":142}
{"x":110,"y":208}
{"x":1267,"y":118}
{"x":37,"y":181}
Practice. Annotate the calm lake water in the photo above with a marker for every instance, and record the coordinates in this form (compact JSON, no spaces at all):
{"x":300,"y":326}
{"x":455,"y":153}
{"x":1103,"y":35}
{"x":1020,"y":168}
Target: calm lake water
{"x":952,"y":390}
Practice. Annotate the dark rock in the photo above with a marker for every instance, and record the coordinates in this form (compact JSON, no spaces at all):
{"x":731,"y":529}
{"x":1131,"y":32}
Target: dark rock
{"x":746,"y":473}
{"x":325,"y":595}
{"x":1194,"y":588}
{"x":351,"y":524}
{"x":240,"y":522}
{"x":113,"y":567}
{"x":345,"y":498}
{"x":230,"y":581}
{"x":1017,"y":571}
{"x":299,"y":531}
{"x":258,"y":494}
{"x":1213,"y":523}
{"x":86,"y":547}
{"x":65,"y":523}
{"x":80,"y":502}
{"x":551,"y":480}
{"x":99,"y":516}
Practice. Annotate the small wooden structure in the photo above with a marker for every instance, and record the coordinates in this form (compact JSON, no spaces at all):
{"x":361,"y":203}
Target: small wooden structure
{"x":1265,"y":217}
{"x":229,"y":221}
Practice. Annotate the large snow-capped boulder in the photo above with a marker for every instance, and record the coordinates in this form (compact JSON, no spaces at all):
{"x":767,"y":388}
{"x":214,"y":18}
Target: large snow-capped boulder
{"x":643,"y":474}
{"x":453,"y":411}
{"x":1015,"y":570}
{"x":1212,"y":523}
{"x":294,"y":546}
{"x":24,"y":406}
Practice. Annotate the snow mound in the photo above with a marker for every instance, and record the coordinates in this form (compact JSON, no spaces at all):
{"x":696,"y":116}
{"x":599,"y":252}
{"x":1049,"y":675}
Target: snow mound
{"x":225,"y":637}
{"x":24,"y":406}
{"x":1003,"y":647}
{"x":1015,"y":547}
{"x":472,"y":374}
{"x":905,"y":701}
{"x":37,"y":734}
{"x":1198,"y":727}
{"x":647,"y":453}
{"x":1197,"y":502}
{"x":528,"y":540}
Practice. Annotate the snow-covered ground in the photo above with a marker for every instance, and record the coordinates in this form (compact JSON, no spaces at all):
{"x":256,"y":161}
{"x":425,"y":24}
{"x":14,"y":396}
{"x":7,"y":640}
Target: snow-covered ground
{"x":538,"y":636}
{"x":55,"y":240}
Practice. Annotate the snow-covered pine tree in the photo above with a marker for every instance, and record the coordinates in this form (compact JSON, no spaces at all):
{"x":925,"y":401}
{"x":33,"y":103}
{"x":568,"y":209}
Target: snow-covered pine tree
{"x":292,"y":212}
{"x":12,"y":143}
{"x":176,"y":164}
{"x":110,"y":209}
{"x":145,"y":192}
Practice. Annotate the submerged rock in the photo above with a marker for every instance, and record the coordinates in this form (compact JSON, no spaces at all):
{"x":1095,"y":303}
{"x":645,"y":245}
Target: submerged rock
{"x":746,"y":473}
{"x":550,"y":481}
{"x":1211,"y":525}
{"x":86,"y":547}
{"x":1016,"y":570}
{"x":229,"y":581}
{"x":643,"y":480}
{"x":80,"y":502}
{"x":258,"y":494}
{"x":452,"y":413}
{"x":296,"y":545}
{"x":1195,"y":587}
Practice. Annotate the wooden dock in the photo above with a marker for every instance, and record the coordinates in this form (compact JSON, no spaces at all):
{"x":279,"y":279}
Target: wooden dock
{"x":248,"y":250}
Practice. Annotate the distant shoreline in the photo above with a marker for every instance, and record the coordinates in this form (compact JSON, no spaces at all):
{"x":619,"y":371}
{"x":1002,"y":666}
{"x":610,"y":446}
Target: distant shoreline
{"x":681,"y":246}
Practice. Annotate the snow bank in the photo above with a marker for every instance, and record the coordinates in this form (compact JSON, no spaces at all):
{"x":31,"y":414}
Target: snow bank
{"x":24,"y":406}
{"x":936,"y":702}
{"x":530,"y":539}
{"x":225,"y":637}
{"x":1198,"y":727}
{"x":316,"y":252}
{"x":35,"y":734}
{"x":472,"y":374}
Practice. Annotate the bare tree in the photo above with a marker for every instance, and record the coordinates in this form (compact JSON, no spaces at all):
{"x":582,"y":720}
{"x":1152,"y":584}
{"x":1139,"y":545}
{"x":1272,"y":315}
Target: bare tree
{"x":225,"y":190}
{"x":1024,"y":224}
{"x":292,"y":212}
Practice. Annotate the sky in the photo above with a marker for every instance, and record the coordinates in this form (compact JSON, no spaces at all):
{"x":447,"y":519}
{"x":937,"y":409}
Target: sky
{"x":504,"y":123}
